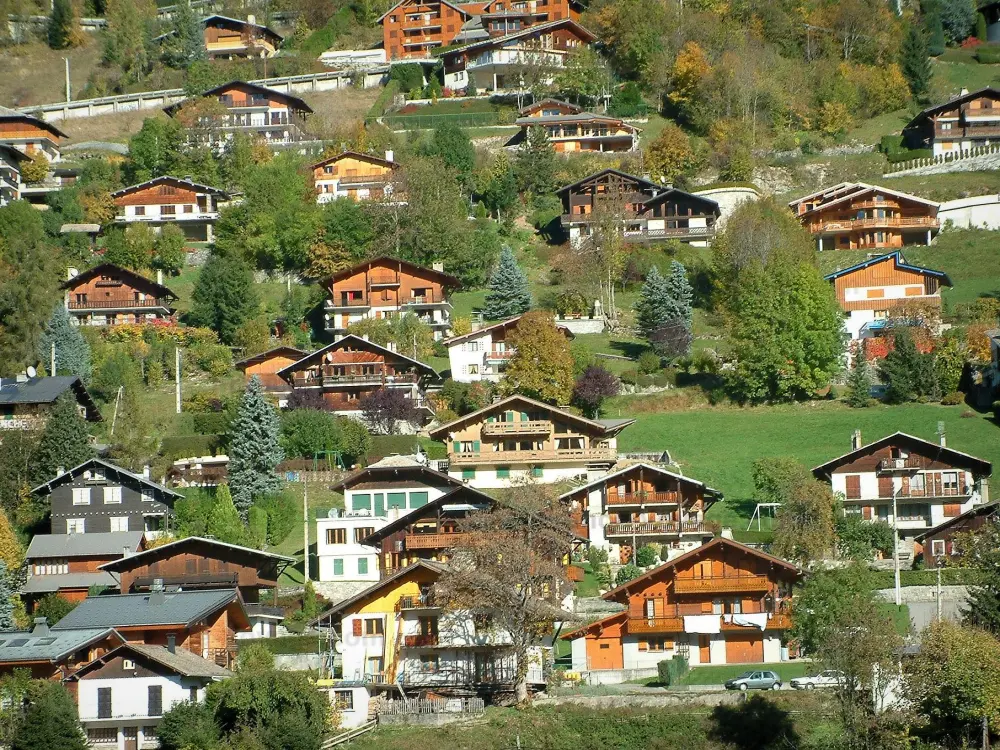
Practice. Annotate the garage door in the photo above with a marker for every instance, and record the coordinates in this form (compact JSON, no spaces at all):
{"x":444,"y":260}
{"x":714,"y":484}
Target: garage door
{"x":604,"y":653}
{"x":744,"y":649}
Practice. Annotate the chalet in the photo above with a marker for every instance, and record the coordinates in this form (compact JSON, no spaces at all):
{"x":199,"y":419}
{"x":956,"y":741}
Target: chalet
{"x":266,"y":366}
{"x":483,"y":354}
{"x":416,"y":28}
{"x":503,"y":63}
{"x":10,"y":173}
{"x":428,"y":532}
{"x":123,"y":694}
{"x":191,"y":207}
{"x":228,"y":38}
{"x":352,"y":368}
{"x":196,"y":563}
{"x":969,"y":120}
{"x":570,"y":129}
{"x":722,"y":603}
{"x":276,"y":117}
{"x":202,"y":622}
{"x":387,"y":287}
{"x":30,"y":135}
{"x":857,"y":216}
{"x":50,"y":654}
{"x":381,"y":492}
{"x":875,"y":290}
{"x":349,"y":174}
{"x":70,"y":564}
{"x":100,"y":497}
{"x":940,"y":544}
{"x":643,"y":211}
{"x":910,"y":483}
{"x":520,"y":438}
{"x":25,"y":403}
{"x":642,"y":504}
{"x":395,"y":633}
{"x":111,"y":295}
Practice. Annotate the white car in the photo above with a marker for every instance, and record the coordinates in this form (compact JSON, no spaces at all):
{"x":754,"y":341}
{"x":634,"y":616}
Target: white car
{"x":828,"y":679}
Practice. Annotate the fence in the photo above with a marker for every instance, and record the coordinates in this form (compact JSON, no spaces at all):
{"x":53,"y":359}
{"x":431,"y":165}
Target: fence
{"x":463,"y":119}
{"x":415,"y":706}
{"x":948,"y":158}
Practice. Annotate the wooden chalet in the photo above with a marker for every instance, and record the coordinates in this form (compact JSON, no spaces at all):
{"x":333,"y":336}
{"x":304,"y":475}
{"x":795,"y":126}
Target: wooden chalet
{"x":349,"y":174}
{"x":940,"y":544}
{"x":110,"y":295}
{"x":858,"y":216}
{"x":50,"y":654}
{"x":969,"y":120}
{"x":483,"y":354}
{"x":30,"y":135}
{"x":722,"y":603}
{"x":190,"y":206}
{"x":352,"y":368}
{"x":228,"y":38}
{"x":387,"y":287}
{"x":570,"y":128}
{"x":25,"y":403}
{"x":267,"y":365}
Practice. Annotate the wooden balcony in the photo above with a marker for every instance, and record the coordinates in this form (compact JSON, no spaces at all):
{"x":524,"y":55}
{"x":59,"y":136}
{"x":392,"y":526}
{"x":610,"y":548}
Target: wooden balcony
{"x":433,"y":298}
{"x":654,"y":528}
{"x":581,"y":531}
{"x":374,"y":378}
{"x":433,"y":541}
{"x":889,"y":222}
{"x":415,"y":602}
{"x":721,"y":584}
{"x":381,"y":281}
{"x":533,"y":457}
{"x":420,"y":641}
{"x":530,"y":427}
{"x":345,"y":302}
{"x":889,"y":465}
{"x":118,"y":304}
{"x":499,"y":357}
{"x":645,"y":498}
{"x":671,"y":618}
{"x":363,"y":179}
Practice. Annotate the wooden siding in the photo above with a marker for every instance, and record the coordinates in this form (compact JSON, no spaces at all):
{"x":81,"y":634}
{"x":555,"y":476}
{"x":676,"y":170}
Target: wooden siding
{"x":267,"y":371}
{"x":350,"y":166}
{"x":405,"y":284}
{"x":241,"y":97}
{"x":964,"y":526}
{"x":24,"y":130}
{"x":162,"y":194}
{"x":442,"y":28}
{"x":210,"y":566}
{"x":885,"y":274}
{"x":869,"y":460}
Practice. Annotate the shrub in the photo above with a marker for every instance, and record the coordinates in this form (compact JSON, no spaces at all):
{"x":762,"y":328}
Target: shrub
{"x":649,"y":363}
{"x":212,"y":423}
{"x":988,"y":55}
{"x":627,"y":573}
{"x":670,"y":671}
{"x":281,"y":516}
{"x":953,"y":399}
{"x":597,"y":557}
{"x":996,"y":410}
{"x":646,"y":555}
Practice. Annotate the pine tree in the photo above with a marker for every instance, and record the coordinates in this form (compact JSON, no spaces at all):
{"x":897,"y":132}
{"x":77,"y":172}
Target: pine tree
{"x":655,"y":305}
{"x":509,"y":294}
{"x":915,"y":62}
{"x":61,"y":23}
{"x":859,"y":381}
{"x":679,"y":292}
{"x":8,"y":592}
{"x":72,"y":349}
{"x":64,"y":442}
{"x":224,"y":296}
{"x":189,"y":42}
{"x":254,"y":448}
{"x":535,"y":163}
{"x":224,"y":521}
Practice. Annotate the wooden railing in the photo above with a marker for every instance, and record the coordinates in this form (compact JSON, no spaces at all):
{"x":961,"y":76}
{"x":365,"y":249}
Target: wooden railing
{"x":653,"y":527}
{"x":670,"y":619}
{"x":520,"y":457}
{"x":720,"y":584}
{"x":345,"y":302}
{"x":533,"y":427}
{"x":901,"y":464}
{"x":433,"y":541}
{"x":499,"y":356}
{"x":383,"y":281}
{"x":645,"y":498}
{"x":418,"y":641}
{"x":116,"y":304}
{"x":847,"y":225}
{"x":580,"y":530}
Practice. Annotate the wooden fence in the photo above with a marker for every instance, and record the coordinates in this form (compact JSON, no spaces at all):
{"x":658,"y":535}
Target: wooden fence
{"x":413,"y":706}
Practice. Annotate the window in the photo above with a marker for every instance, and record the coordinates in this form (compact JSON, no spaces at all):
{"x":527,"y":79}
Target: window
{"x":950,"y":479}
{"x":373,"y":626}
{"x":913,"y":512}
{"x":937,"y":547}
{"x":103,"y":735}
{"x":147,"y":496}
{"x":503,"y":472}
{"x":429,"y":663}
{"x":362,"y":566}
{"x":338,"y":566}
{"x":168,"y":210}
{"x":155,"y":700}
{"x":362,"y":532}
{"x":361,"y":502}
{"x":656,"y":644}
{"x":418,"y":499}
{"x":343,"y":700}
{"x":140,"y":210}
{"x":336,"y":536}
{"x":74,"y":526}
{"x":468,"y":474}
{"x":119,"y":523}
{"x":536,"y":471}
{"x":81,"y":496}
{"x":193,"y":695}
{"x":472,"y":369}
{"x":112,"y":495}
{"x":103,"y":703}
{"x":397,"y":500}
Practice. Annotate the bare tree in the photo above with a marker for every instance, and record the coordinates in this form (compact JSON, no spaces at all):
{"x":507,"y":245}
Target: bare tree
{"x":606,"y":246}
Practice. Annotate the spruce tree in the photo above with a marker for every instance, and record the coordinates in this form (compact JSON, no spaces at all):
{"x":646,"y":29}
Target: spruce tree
{"x":8,"y":590}
{"x":915,"y":62}
{"x":224,"y":296}
{"x":224,"y":520}
{"x":655,"y":306}
{"x":859,"y":381}
{"x":65,"y":442}
{"x":679,"y":292}
{"x":535,"y":163}
{"x":50,"y":720}
{"x":509,"y":294}
{"x":60,"y":30}
{"x":72,"y":349}
{"x":254,"y":448}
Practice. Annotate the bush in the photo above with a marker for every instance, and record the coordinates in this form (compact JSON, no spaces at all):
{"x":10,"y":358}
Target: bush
{"x":670,"y":671}
{"x":646,"y":555}
{"x":282,"y":514}
{"x":649,"y":363}
{"x":54,"y":607}
{"x":988,"y":55}
{"x":953,"y":399}
{"x":597,"y":557}
{"x":907,"y":155}
{"x":306,"y":644}
{"x":384,"y":99}
{"x":627,"y":573}
{"x":996,"y":410}
{"x":409,"y":75}
{"x":186,"y":446}
{"x":386,"y":445}
{"x":213,"y":423}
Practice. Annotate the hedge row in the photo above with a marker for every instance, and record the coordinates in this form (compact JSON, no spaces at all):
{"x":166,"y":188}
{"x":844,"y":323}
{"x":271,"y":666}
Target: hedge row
{"x":292,"y":644}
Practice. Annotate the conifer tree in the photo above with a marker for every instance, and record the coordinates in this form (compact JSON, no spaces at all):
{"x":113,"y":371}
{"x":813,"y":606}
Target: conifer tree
{"x":254,"y":448}
{"x":679,"y":292}
{"x":915,"y":62}
{"x":187,"y":44}
{"x":509,"y":294}
{"x":50,"y":720}
{"x":61,"y":22}
{"x":859,"y":381}
{"x":8,"y":592}
{"x":72,"y":349}
{"x":535,"y":163}
{"x":655,"y":305}
{"x":65,"y":442}
{"x":224,"y":521}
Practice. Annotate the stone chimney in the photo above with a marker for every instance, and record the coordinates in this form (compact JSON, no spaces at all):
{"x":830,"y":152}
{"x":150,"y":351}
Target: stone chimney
{"x":941,"y":436}
{"x":41,"y":626}
{"x":438,"y":266}
{"x":389,"y":154}
{"x":856,"y":440}
{"x":171,"y":643}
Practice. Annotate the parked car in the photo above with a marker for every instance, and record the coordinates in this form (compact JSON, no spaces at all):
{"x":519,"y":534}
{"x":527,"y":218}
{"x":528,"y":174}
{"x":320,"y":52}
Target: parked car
{"x":827,"y":679}
{"x":755,"y":681}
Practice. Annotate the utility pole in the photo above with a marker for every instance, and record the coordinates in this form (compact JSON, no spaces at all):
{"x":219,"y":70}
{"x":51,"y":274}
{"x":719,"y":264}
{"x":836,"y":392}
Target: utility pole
{"x":895,"y":548}
{"x":305,"y":529}
{"x":177,"y":378}
{"x":939,"y":591}
{"x":69,"y":93}
{"x":52,"y":360}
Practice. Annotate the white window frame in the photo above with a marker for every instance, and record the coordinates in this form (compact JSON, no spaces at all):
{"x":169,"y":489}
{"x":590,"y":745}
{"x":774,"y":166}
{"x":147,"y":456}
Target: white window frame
{"x":81,"y":496}
{"x":116,"y":521}
{"x":75,"y":526}
{"x":112,"y":495}
{"x":937,"y":547}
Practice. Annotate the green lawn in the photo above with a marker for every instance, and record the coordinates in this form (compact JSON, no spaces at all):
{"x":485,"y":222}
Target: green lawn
{"x":945,"y":187}
{"x":871,"y":131}
{"x":319,"y":497}
{"x":950,"y":77}
{"x":719,"y":674}
{"x":588,"y":586}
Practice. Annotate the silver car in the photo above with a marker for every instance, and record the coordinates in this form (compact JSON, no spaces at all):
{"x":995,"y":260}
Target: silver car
{"x":829,"y":678}
{"x":755,"y":680}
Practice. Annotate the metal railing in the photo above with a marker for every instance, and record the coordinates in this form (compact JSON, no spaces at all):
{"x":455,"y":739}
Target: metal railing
{"x":347,"y":302}
{"x":414,"y":602}
{"x":410,"y":706}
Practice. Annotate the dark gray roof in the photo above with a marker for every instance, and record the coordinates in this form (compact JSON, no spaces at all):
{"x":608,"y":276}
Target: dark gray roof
{"x":113,"y":468}
{"x":45,"y":390}
{"x":153,"y":552}
{"x":43,"y":584}
{"x":83,"y":545}
{"x":129,"y":610}
{"x":578,"y":117}
{"x":47,"y":644}
{"x":180,"y":661}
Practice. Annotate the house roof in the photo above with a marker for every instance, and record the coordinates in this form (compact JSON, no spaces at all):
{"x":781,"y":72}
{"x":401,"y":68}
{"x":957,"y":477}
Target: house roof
{"x":606,"y":426}
{"x":182,"y":608}
{"x":445,"y":279}
{"x":356,"y":155}
{"x":900,"y":262}
{"x":542,"y":103}
{"x":643,"y":465}
{"x":141,"y":558}
{"x":381,"y":472}
{"x":599,"y":624}
{"x":352,"y":339}
{"x":575,"y":117}
{"x":460,"y":9}
{"x":12,"y":115}
{"x":495,"y":41}
{"x":104,"y":268}
{"x":987,"y":509}
{"x":462,"y":496}
{"x":964,"y":460}
{"x":860,"y":189}
{"x":47,"y":583}
{"x":675,"y":193}
{"x":429,"y":565}
{"x":292,"y":101}
{"x":493,"y":326}
{"x":278,"y":351}
{"x":182,"y":181}
{"x":241,"y":22}
{"x":951,"y":103}
{"x":45,"y":390}
{"x":181,"y":661}
{"x":719,"y":541}
{"x":832,"y":189}
{"x":12,"y":154}
{"x":48,"y":644}
{"x":84,"y":545}
{"x":113,"y":468}
{"x":643,"y":182}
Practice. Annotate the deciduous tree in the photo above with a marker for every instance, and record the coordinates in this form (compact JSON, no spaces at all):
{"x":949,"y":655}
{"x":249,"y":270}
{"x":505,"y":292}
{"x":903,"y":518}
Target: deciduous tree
{"x":592,"y":388}
{"x":980,"y":549}
{"x":542,"y":365}
{"x":508,"y":294}
{"x":306,"y":432}
{"x":127,"y":39}
{"x":224,"y":296}
{"x":254,"y":448}
{"x":385,"y":409}
{"x":584,"y":77}
{"x":155,"y":150}
{"x":168,"y":250}
{"x":670,"y":157}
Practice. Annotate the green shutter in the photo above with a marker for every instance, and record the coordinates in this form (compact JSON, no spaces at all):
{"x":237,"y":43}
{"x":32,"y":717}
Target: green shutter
{"x":491,"y":419}
{"x":536,"y":471}
{"x":468,"y":473}
{"x":503,"y":472}
{"x":418,"y":499}
{"x":475,"y":446}
{"x":379,"y":504}
{"x":456,"y":447}
{"x":338,"y":566}
{"x":524,"y":416}
{"x":362,"y":502}
{"x":397,"y":500}
{"x":362,"y":566}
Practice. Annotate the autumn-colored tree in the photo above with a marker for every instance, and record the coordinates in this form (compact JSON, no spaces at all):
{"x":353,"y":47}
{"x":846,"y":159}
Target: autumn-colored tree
{"x":542,"y":365}
{"x":98,"y":205}
{"x":11,"y":550}
{"x":691,"y":67}
{"x":327,"y":258}
{"x":35,"y":168}
{"x":835,"y":118}
{"x":978,"y":342}
{"x":670,"y":157}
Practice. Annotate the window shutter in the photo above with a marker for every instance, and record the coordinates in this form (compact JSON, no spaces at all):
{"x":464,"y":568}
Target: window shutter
{"x":356,"y":628}
{"x":338,"y":567}
{"x":866,"y":512}
{"x":475,"y":446}
{"x":155,"y":700}
{"x":853,"y":487}
{"x":456,"y":447}
{"x":103,"y":703}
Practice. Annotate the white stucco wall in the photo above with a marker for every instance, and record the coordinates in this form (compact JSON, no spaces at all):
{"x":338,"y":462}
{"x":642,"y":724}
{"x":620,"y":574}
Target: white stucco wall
{"x":728,"y":199}
{"x":982,"y":211}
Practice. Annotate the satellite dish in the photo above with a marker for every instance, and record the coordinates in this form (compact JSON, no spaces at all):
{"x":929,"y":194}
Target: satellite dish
{"x":31,"y":371}
{"x":338,"y":646}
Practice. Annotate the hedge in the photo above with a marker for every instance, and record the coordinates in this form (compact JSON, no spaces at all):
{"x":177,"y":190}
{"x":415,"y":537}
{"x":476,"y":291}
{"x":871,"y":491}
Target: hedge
{"x":384,"y":100}
{"x":386,"y":445}
{"x":907,"y":154}
{"x":292,"y":644}
{"x":949,"y":577}
{"x":186,"y":446}
{"x":988,"y":55}
{"x":670,"y":671}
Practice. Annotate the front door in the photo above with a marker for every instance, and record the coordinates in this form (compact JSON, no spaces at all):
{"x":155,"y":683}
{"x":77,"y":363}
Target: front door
{"x":704,"y":649}
{"x":131,"y":737}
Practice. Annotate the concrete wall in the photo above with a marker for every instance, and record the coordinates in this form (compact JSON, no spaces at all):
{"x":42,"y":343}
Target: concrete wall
{"x":981,"y":211}
{"x":728,"y":199}
{"x":299,"y":662}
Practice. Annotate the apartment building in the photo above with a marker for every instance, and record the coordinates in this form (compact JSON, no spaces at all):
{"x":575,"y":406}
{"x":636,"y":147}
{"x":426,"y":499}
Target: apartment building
{"x":858,"y":216}
{"x":571,"y":129}
{"x":877,"y":289}
{"x":642,"y":504}
{"x":641,"y":210}
{"x":483,"y":354}
{"x":30,"y":135}
{"x":722,"y":603}
{"x":231,"y":38}
{"x":25,"y":403}
{"x":191,"y":207}
{"x":970,"y":120}
{"x":11,"y":160}
{"x":360,"y":177}
{"x":910,"y":483}
{"x":386,"y":288}
{"x":108,"y":295}
{"x":520,"y":438}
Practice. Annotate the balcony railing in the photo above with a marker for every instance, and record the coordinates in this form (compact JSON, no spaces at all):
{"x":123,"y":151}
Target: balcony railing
{"x":499,"y":357}
{"x":720,"y":584}
{"x":848,"y":225}
{"x":383,"y":281}
{"x":647,"y":528}
{"x":901,"y":464}
{"x":361,"y":179}
{"x":347,"y":302}
{"x":645,"y":498}
{"x":188,"y":579}
{"x":414,"y":602}
{"x":420,"y":641}
{"x":528,"y":427}
{"x":117,"y":304}
{"x":581,"y":531}
{"x":433,"y":541}
{"x":671,"y":618}
{"x":434,"y":298}
{"x":522,"y":457}
{"x":22,"y":423}
{"x":378,"y":378}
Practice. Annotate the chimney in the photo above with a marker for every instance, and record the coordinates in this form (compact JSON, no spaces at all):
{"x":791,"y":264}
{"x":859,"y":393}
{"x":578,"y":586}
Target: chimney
{"x":941,"y":436}
{"x":145,"y":469}
{"x":389,"y":154}
{"x":159,"y":276}
{"x":126,"y":551}
{"x":156,"y":595}
{"x":22,"y":377}
{"x":172,"y":643}
{"x":60,"y":470}
{"x":41,"y":626}
{"x":252,"y":19}
{"x":438,"y":266}
{"x":856,"y":440}
{"x":963,"y":92}
{"x":71,"y":273}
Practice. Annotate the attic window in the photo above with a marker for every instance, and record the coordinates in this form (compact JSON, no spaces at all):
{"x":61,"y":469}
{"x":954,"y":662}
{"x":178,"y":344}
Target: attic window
{"x":45,"y":641}
{"x":17,"y":643}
